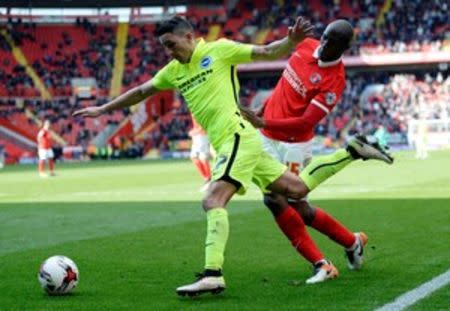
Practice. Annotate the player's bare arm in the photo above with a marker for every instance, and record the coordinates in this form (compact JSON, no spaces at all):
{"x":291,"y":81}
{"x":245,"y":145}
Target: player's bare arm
{"x":308,"y":121}
{"x":127,"y":99}
{"x":252,"y":117}
{"x":280,"y":48}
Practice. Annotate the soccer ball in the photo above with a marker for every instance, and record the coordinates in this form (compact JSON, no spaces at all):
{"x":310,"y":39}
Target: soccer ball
{"x":58,"y":275}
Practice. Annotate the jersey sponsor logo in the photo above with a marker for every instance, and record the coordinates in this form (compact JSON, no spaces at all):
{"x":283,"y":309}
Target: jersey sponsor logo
{"x":330,"y":98}
{"x":194,"y":81}
{"x":294,"y":80}
{"x":315,"y":78}
{"x":205,"y":62}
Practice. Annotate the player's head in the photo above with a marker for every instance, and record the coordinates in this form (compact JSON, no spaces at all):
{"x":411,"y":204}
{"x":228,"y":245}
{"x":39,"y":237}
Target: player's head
{"x":335,"y":40}
{"x":46,"y":124}
{"x":177,"y":36}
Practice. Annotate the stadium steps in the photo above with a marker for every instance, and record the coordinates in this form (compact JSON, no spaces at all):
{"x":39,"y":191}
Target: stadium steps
{"x":22,"y":60}
{"x":12,"y":151}
{"x":101,"y":140}
{"x":11,"y":134}
{"x":119,"y":60}
{"x":213,"y":33}
{"x":261,"y":36}
{"x":384,"y":9}
{"x":8,"y":63}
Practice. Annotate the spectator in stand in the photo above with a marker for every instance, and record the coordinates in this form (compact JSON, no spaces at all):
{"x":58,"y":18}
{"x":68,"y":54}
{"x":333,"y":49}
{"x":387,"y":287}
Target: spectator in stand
{"x":382,"y":135}
{"x":45,"y":150}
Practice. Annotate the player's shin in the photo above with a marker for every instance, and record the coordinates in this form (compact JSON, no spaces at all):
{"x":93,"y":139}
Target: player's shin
{"x":326,"y":224}
{"x":323,"y":167}
{"x":51,"y":165}
{"x":216,"y":238}
{"x":199,"y":166}
{"x":294,"y":228}
{"x":206,"y":169}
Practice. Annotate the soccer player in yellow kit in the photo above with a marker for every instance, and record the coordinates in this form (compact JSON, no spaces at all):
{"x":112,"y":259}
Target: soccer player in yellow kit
{"x":205,"y":74}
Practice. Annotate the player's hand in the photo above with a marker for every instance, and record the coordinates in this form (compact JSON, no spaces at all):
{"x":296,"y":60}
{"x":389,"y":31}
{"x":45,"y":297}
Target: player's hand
{"x":251,"y":117}
{"x":91,"y":112}
{"x":260,"y":111}
{"x":301,"y":29}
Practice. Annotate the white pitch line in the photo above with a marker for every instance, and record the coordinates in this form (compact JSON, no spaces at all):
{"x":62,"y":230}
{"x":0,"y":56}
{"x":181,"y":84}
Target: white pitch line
{"x":409,"y":298}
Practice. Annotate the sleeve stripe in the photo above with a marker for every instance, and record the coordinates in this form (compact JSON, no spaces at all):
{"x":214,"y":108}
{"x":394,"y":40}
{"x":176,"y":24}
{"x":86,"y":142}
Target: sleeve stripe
{"x":320,"y":105}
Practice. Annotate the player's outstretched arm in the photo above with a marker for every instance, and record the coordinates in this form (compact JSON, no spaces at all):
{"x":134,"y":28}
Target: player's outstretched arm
{"x":291,"y":126}
{"x":127,"y":99}
{"x":277,"y":49}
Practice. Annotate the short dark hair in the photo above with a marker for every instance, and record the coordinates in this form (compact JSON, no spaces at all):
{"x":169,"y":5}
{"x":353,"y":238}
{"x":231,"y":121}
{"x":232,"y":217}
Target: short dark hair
{"x":174,"y":24}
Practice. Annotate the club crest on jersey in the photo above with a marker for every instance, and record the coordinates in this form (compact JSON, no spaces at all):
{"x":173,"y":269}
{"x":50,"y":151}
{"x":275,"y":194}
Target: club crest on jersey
{"x":205,"y":62}
{"x":315,"y":78}
{"x":330,"y":98}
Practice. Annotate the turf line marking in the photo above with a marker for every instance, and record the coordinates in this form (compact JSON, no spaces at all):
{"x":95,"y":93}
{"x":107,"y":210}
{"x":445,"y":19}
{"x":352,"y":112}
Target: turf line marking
{"x":409,"y":298}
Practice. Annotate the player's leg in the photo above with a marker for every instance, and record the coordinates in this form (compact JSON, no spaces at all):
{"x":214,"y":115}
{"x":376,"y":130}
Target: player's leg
{"x":195,"y":156}
{"x":212,"y":280}
{"x":272,"y":175}
{"x":206,"y":168}
{"x":204,"y":156}
{"x":323,"y":167}
{"x":297,"y":156}
{"x":288,"y":220}
{"x":51,"y":162}
{"x":292,"y":225}
{"x":41,"y":162}
{"x":232,"y":173}
{"x":323,"y":222}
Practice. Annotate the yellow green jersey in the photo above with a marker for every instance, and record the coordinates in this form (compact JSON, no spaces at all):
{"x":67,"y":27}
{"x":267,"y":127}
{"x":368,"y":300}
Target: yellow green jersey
{"x":210,"y":86}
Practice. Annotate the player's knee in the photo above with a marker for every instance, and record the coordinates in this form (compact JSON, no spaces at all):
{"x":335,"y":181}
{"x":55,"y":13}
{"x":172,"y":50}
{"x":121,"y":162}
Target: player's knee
{"x":297,"y":190}
{"x":208,"y":203}
{"x":203,"y":157}
{"x":275,"y":204}
{"x":306,"y":211}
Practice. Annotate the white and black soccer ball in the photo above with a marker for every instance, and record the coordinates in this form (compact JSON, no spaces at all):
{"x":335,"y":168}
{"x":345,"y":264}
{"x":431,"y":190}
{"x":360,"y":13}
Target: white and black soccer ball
{"x":58,"y":275}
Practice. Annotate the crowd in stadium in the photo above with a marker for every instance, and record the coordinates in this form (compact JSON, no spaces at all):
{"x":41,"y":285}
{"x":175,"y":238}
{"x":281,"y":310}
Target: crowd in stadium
{"x":87,"y":50}
{"x":392,"y":105}
{"x":405,"y":97}
{"x":423,"y":25}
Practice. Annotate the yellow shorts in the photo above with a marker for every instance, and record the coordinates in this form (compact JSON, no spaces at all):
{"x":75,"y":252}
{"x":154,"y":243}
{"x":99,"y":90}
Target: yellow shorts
{"x":241,"y":160}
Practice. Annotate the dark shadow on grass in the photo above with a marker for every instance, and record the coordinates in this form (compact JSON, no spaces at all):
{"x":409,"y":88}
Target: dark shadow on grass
{"x":70,"y":295}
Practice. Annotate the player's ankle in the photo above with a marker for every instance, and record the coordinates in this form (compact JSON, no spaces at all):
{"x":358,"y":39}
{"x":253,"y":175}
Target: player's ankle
{"x":319,"y":263}
{"x":211,"y":272}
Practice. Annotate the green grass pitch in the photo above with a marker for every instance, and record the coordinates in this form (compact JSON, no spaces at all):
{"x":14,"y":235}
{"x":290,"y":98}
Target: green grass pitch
{"x":136,"y":231}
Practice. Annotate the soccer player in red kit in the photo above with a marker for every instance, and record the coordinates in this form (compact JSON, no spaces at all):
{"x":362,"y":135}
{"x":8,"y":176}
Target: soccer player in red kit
{"x":200,"y":152}
{"x":45,"y":150}
{"x":311,"y":85}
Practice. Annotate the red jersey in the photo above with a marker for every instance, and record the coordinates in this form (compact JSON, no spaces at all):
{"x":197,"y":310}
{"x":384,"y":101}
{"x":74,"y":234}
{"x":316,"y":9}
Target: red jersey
{"x":306,"y":92}
{"x":44,"y":139}
{"x":196,"y":128}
